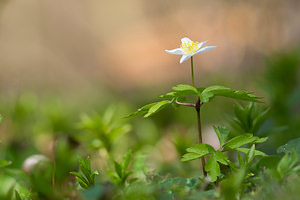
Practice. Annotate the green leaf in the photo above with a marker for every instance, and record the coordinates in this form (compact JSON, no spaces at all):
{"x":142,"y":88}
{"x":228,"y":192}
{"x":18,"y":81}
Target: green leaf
{"x":82,"y":183}
{"x":81,"y":177}
{"x":242,"y":140}
{"x":141,"y":110}
{"x":190,"y":156}
{"x":4,"y":163}
{"x":284,"y":165}
{"x":202,"y":149}
{"x":290,"y":146}
{"x":221,"y":158}
{"x":0,"y":119}
{"x":197,"y":151}
{"x":17,"y":195}
{"x":256,"y":152}
{"x":269,"y":162}
{"x":210,"y":92}
{"x":126,"y":160}
{"x":118,"y":169}
{"x":250,"y":155}
{"x":186,"y":88}
{"x":85,"y":169}
{"x":261,"y":140}
{"x":169,"y":95}
{"x":241,"y":161}
{"x":213,"y":168}
{"x":157,"y":107}
{"x":222,"y":133}
{"x":216,"y":90}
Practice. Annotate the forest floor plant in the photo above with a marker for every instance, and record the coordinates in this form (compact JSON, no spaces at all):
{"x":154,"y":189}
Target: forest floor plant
{"x":188,"y":49}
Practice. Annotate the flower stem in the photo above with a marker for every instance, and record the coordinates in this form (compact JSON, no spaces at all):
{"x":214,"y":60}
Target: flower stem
{"x":192,"y":69}
{"x":198,"y":105}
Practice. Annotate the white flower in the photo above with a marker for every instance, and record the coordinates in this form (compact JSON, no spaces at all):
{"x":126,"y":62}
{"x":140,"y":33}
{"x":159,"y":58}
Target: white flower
{"x":188,"y":48}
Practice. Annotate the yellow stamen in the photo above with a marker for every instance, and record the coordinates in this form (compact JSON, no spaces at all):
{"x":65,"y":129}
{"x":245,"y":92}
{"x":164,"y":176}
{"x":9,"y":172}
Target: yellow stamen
{"x":189,"y":47}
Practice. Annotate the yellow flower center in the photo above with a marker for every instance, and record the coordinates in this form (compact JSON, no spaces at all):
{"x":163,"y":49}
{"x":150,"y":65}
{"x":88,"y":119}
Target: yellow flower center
{"x":189,"y":47}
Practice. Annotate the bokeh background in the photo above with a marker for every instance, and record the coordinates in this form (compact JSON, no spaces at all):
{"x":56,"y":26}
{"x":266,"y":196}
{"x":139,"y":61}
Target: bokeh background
{"x":60,"y":60}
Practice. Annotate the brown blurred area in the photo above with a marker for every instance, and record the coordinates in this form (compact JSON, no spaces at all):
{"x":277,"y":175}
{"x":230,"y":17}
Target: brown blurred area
{"x":82,"y":44}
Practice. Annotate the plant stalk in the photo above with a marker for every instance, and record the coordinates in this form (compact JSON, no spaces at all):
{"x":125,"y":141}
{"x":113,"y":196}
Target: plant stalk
{"x":192,"y":70}
{"x":198,"y":105}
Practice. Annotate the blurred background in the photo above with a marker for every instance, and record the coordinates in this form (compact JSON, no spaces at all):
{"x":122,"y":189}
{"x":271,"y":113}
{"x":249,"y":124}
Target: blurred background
{"x":61,"y":59}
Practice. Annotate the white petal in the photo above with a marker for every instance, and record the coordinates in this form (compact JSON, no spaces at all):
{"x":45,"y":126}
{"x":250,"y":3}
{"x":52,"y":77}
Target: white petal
{"x":185,"y":57}
{"x":207,"y":48}
{"x":185,"y":40}
{"x":177,"y":51}
{"x":201,"y":44}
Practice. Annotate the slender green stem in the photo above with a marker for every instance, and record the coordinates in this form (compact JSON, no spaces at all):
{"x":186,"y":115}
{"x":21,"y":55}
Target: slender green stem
{"x":192,"y":69}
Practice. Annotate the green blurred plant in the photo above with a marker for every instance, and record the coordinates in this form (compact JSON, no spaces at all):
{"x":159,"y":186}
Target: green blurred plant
{"x":104,"y":129}
{"x":3,"y":163}
{"x":121,"y":174}
{"x":248,"y":119}
{"x":85,"y":178}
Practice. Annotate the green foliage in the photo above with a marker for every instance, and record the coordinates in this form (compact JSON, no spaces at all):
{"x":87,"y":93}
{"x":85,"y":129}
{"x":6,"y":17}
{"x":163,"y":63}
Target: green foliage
{"x":249,"y":118}
{"x":204,"y":94}
{"x":121,"y":173}
{"x":232,"y":187}
{"x":85,"y":178}
{"x":285,"y":167}
{"x":102,"y":131}
{"x":292,"y":145}
{"x":197,"y":151}
{"x":242,"y":140}
{"x":222,"y":133}
{"x":4,"y":163}
{"x":209,"y":93}
{"x":218,"y":157}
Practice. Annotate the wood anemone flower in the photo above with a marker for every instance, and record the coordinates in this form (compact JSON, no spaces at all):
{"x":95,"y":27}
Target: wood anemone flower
{"x":188,"y":48}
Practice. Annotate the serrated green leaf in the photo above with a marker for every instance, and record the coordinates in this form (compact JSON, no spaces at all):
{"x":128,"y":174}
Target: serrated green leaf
{"x":190,"y":156}
{"x":222,"y":133}
{"x":221,"y":158}
{"x":241,"y":140}
{"x":157,"y":107}
{"x":141,"y":110}
{"x":256,"y":152}
{"x":213,"y":168}
{"x":202,"y":149}
{"x":217,"y":90}
{"x":209,"y":92}
{"x":197,"y":151}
